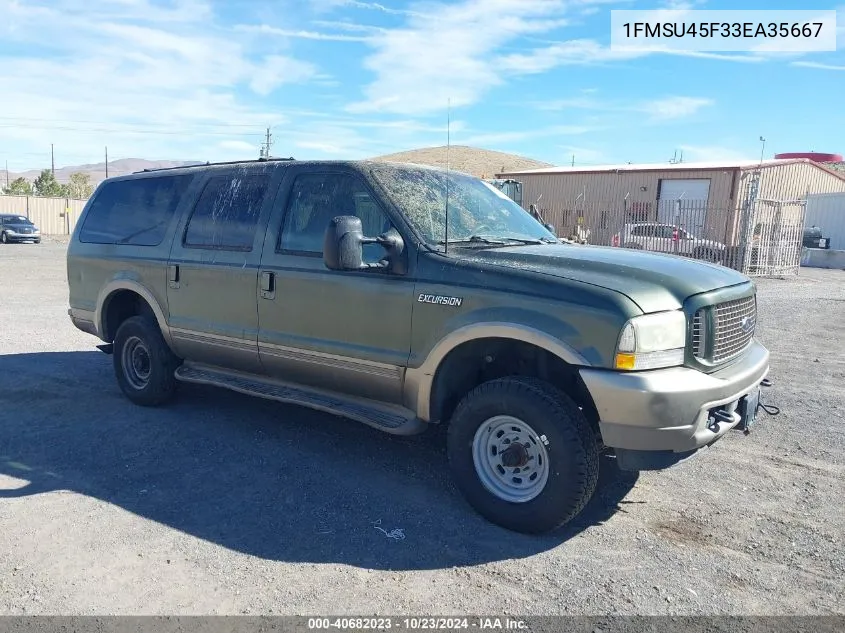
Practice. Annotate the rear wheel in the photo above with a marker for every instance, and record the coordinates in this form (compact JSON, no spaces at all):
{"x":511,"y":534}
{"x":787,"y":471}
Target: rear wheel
{"x":143,"y":363}
{"x":707,"y":255}
{"x":522,"y":454}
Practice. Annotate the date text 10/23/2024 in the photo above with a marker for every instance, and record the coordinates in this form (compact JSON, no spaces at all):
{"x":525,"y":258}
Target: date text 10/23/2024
{"x":418,"y":623}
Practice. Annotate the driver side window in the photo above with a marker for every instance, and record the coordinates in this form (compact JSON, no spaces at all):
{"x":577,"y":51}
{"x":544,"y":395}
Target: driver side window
{"x":317,"y":198}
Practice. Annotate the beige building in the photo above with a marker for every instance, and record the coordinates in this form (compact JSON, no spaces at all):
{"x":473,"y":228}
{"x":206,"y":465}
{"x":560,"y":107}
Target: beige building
{"x":716,"y":201}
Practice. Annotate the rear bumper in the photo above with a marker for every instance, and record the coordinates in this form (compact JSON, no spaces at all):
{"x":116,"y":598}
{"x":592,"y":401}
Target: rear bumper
{"x":667,"y":410}
{"x":83,"y":320}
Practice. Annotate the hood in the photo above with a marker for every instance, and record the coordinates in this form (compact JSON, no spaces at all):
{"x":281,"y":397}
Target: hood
{"x":653,"y":281}
{"x":20,"y":225}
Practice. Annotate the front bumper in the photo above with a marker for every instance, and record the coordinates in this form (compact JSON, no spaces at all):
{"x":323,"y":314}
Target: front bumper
{"x":23,"y":237}
{"x":667,"y":410}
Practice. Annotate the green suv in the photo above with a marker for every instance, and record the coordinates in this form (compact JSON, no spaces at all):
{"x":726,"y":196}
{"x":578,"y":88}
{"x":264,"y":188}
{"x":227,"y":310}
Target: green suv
{"x":403,"y":296}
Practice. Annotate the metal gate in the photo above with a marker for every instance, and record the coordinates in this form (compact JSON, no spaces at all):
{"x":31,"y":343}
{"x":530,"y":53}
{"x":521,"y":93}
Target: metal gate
{"x":771,"y":237}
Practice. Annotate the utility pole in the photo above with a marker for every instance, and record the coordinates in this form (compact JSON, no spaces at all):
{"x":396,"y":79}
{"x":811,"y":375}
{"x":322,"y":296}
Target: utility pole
{"x":763,"y":148}
{"x":7,"y":174}
{"x":52,"y":161}
{"x":107,"y":162}
{"x":573,"y":160}
{"x":265,"y":150}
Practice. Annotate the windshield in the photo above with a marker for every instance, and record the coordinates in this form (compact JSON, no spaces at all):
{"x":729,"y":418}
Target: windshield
{"x":16,"y":219}
{"x":478,"y":211}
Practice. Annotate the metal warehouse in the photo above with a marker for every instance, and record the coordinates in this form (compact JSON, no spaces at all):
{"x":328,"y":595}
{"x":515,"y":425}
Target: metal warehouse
{"x":749,"y":215}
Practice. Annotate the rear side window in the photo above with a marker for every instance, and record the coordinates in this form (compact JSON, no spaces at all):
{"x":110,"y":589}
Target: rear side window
{"x":226,"y":215}
{"x":133,"y":212}
{"x":643,"y":231}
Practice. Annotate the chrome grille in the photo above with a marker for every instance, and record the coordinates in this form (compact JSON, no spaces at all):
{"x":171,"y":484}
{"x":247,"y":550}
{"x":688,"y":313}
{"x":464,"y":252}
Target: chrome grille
{"x":733,"y":327}
{"x":698,"y":332}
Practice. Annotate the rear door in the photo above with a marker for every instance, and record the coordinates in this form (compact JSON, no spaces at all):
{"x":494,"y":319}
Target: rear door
{"x":340,"y":330}
{"x":213,"y":268}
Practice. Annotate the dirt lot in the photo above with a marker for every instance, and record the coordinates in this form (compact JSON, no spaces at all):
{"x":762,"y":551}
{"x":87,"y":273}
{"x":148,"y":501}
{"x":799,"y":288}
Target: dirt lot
{"x":225,"y":504}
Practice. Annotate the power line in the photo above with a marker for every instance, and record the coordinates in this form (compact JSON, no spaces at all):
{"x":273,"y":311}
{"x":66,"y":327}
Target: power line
{"x":181,"y":132}
{"x":215,"y":125}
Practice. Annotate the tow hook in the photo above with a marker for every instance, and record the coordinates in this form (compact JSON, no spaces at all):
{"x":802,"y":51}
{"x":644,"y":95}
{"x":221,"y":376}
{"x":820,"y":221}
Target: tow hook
{"x":717,"y":416}
{"x":771,"y":409}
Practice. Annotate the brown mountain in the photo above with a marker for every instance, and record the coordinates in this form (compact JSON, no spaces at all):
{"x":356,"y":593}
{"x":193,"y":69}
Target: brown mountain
{"x":97,"y":171}
{"x":471,"y":160}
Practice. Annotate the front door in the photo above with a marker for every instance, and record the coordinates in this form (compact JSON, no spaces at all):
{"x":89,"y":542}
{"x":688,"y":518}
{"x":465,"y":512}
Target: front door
{"x":344,"y":331}
{"x":213,"y":269}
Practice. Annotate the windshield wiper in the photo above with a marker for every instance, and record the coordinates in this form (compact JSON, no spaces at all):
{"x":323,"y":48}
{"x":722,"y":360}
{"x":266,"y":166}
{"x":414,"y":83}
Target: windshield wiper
{"x":499,"y":241}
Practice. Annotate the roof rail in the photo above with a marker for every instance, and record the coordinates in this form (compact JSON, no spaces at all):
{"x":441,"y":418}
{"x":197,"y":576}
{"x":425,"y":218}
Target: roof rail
{"x":207,"y":164}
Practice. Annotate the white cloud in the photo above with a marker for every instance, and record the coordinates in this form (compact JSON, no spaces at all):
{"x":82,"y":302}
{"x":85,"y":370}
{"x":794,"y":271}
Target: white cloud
{"x":675,"y":107}
{"x":446,"y":55}
{"x":143,"y":84}
{"x":276,"y":70}
{"x":818,"y":65}
{"x":266,"y":29}
{"x":661,"y":109}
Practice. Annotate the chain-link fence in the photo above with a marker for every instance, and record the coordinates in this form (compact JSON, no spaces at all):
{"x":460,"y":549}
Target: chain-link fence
{"x":761,"y":239}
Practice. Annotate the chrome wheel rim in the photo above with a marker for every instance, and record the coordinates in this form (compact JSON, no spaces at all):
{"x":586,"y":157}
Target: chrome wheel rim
{"x":510,"y":459}
{"x":136,"y":363}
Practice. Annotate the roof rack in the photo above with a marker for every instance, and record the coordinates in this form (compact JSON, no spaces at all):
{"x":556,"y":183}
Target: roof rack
{"x":207,"y":164}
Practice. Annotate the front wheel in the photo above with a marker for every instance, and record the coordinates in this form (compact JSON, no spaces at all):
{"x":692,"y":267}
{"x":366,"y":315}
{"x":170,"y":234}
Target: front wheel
{"x":143,"y":363}
{"x":522,"y":454}
{"x":4,"y":239}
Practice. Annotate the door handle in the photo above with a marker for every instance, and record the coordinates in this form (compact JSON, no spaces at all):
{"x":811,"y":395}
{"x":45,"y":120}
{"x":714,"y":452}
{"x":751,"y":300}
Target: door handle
{"x":173,"y":275}
{"x":268,"y":284}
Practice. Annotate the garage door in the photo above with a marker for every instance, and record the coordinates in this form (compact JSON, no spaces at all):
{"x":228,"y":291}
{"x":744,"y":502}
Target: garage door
{"x":692,"y":193}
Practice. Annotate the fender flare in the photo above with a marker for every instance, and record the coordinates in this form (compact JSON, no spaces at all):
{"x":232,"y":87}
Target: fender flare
{"x":419,"y":381}
{"x":116,"y":285}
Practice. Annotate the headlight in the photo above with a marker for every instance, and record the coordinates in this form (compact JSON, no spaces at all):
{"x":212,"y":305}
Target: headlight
{"x":652,"y":341}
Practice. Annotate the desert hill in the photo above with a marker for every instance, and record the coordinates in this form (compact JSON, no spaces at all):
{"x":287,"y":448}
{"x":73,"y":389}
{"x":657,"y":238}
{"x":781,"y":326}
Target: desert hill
{"x":470,"y":160}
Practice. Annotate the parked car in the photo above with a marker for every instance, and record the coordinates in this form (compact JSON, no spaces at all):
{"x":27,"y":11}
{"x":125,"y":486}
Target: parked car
{"x":18,"y":228}
{"x":814,"y":238}
{"x":667,"y":238}
{"x":335,"y":285}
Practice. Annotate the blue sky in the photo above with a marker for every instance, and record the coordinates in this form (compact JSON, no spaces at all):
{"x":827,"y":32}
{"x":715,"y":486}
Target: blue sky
{"x":199,"y":79}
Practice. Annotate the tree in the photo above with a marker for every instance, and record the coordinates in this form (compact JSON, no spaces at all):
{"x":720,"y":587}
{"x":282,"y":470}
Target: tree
{"x":47,"y":185}
{"x":19,"y":187}
{"x":80,"y":186}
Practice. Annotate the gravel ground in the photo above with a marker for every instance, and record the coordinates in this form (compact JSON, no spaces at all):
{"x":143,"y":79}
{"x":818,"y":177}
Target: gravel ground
{"x":225,"y":504}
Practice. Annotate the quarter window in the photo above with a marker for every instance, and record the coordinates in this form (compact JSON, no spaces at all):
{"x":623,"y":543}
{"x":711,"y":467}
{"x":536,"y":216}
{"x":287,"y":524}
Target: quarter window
{"x":135,"y":211}
{"x":226,"y":214}
{"x":317,"y":198}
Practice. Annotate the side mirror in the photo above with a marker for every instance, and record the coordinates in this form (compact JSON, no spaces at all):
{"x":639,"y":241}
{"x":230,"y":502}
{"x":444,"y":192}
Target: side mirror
{"x":343,"y":246}
{"x":551,"y":229}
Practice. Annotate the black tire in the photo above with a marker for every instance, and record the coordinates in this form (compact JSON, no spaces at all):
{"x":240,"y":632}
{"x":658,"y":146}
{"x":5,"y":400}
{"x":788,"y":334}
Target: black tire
{"x":571,"y":448}
{"x":707,"y":255}
{"x":3,"y":238}
{"x":147,"y":382}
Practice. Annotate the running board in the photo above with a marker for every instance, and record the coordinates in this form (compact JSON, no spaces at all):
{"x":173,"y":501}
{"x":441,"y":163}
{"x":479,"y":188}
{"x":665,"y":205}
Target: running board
{"x":395,"y":420}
